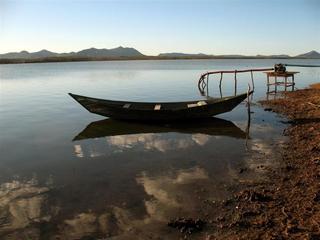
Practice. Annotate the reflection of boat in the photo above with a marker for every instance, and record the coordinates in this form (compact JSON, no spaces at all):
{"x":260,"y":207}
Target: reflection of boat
{"x":159,"y":111}
{"x":210,"y":126}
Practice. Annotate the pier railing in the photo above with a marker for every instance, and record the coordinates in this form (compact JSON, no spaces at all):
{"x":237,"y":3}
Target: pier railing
{"x":204,"y":78}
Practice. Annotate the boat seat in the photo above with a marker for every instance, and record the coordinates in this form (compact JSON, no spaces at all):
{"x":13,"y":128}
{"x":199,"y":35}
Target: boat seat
{"x":197,"y":104}
{"x":201,"y":103}
{"x":127,"y":105}
{"x":157,"y":107}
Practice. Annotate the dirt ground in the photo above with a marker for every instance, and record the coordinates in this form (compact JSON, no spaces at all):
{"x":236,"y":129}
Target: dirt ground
{"x":287,"y":206}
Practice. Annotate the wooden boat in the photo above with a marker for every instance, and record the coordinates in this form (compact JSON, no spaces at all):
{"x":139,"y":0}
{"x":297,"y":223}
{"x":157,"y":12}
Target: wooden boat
{"x":159,"y":111}
{"x":209,"y":126}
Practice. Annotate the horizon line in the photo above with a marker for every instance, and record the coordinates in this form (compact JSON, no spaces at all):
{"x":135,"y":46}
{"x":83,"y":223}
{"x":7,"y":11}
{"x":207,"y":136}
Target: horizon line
{"x":198,"y":53}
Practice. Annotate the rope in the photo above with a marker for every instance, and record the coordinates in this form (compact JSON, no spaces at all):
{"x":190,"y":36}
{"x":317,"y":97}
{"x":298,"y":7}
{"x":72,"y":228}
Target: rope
{"x":300,"y":65}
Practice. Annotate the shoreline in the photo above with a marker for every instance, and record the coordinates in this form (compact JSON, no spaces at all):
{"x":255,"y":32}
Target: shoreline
{"x":287,"y":206}
{"x":143,"y":58}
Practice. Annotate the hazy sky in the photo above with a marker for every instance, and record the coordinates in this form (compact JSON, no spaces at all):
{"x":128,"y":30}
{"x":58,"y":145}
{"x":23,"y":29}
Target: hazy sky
{"x":213,"y":27}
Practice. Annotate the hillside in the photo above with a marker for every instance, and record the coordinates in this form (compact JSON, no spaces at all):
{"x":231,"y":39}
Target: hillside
{"x":126,"y":53}
{"x":91,"y":52}
{"x":312,"y":54}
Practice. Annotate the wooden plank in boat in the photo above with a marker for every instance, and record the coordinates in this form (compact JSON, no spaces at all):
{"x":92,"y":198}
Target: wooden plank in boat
{"x":198,"y":104}
{"x":157,"y":107}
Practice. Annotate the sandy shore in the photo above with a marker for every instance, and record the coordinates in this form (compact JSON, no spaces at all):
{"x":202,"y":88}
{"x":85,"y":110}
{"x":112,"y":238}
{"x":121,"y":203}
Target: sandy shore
{"x":287,"y":206}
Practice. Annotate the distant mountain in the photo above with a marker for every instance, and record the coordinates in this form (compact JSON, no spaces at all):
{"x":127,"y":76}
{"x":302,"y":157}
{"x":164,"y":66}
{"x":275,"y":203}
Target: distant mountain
{"x":114,"y":52}
{"x":312,"y":54}
{"x":273,"y":56}
{"x":14,"y":55}
{"x":201,"y":55}
{"x":24,"y":54}
{"x":176,"y":54}
{"x":231,"y":56}
{"x":43,"y":53}
{"x":94,"y":54}
{"x":91,"y":53}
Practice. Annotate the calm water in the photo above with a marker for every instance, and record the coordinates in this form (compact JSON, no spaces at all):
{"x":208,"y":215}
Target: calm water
{"x":65,"y":174}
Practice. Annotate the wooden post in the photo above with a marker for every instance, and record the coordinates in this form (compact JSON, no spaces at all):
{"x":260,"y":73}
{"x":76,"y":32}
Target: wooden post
{"x":252,"y":80}
{"x":249,"y":116}
{"x":235,"y":82}
{"x":268,"y":83}
{"x":203,"y":85}
{"x":208,"y":85}
{"x":221,"y":75}
{"x":285,"y":83}
{"x":293,"y":82}
{"x":199,"y":83}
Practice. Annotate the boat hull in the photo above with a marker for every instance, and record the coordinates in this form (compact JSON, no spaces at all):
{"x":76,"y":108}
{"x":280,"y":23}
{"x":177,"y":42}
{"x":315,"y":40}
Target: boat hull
{"x":139,"y":111}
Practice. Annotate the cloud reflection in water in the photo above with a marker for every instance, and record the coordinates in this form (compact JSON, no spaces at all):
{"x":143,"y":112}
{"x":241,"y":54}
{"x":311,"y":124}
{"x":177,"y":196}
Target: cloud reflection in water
{"x":159,"y":142}
{"x":21,"y":205}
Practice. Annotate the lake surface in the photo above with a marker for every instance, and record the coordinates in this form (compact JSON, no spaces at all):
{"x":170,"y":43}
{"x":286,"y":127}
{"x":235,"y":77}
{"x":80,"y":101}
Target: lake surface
{"x":62,"y":177}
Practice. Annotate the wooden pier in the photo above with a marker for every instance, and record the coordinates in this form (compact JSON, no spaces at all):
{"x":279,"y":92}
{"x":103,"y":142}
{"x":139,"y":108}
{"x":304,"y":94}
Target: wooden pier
{"x":204,"y":78}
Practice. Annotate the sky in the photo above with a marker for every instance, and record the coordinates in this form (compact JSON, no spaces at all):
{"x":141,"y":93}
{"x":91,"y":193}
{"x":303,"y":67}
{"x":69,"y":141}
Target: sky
{"x":246,"y":27}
